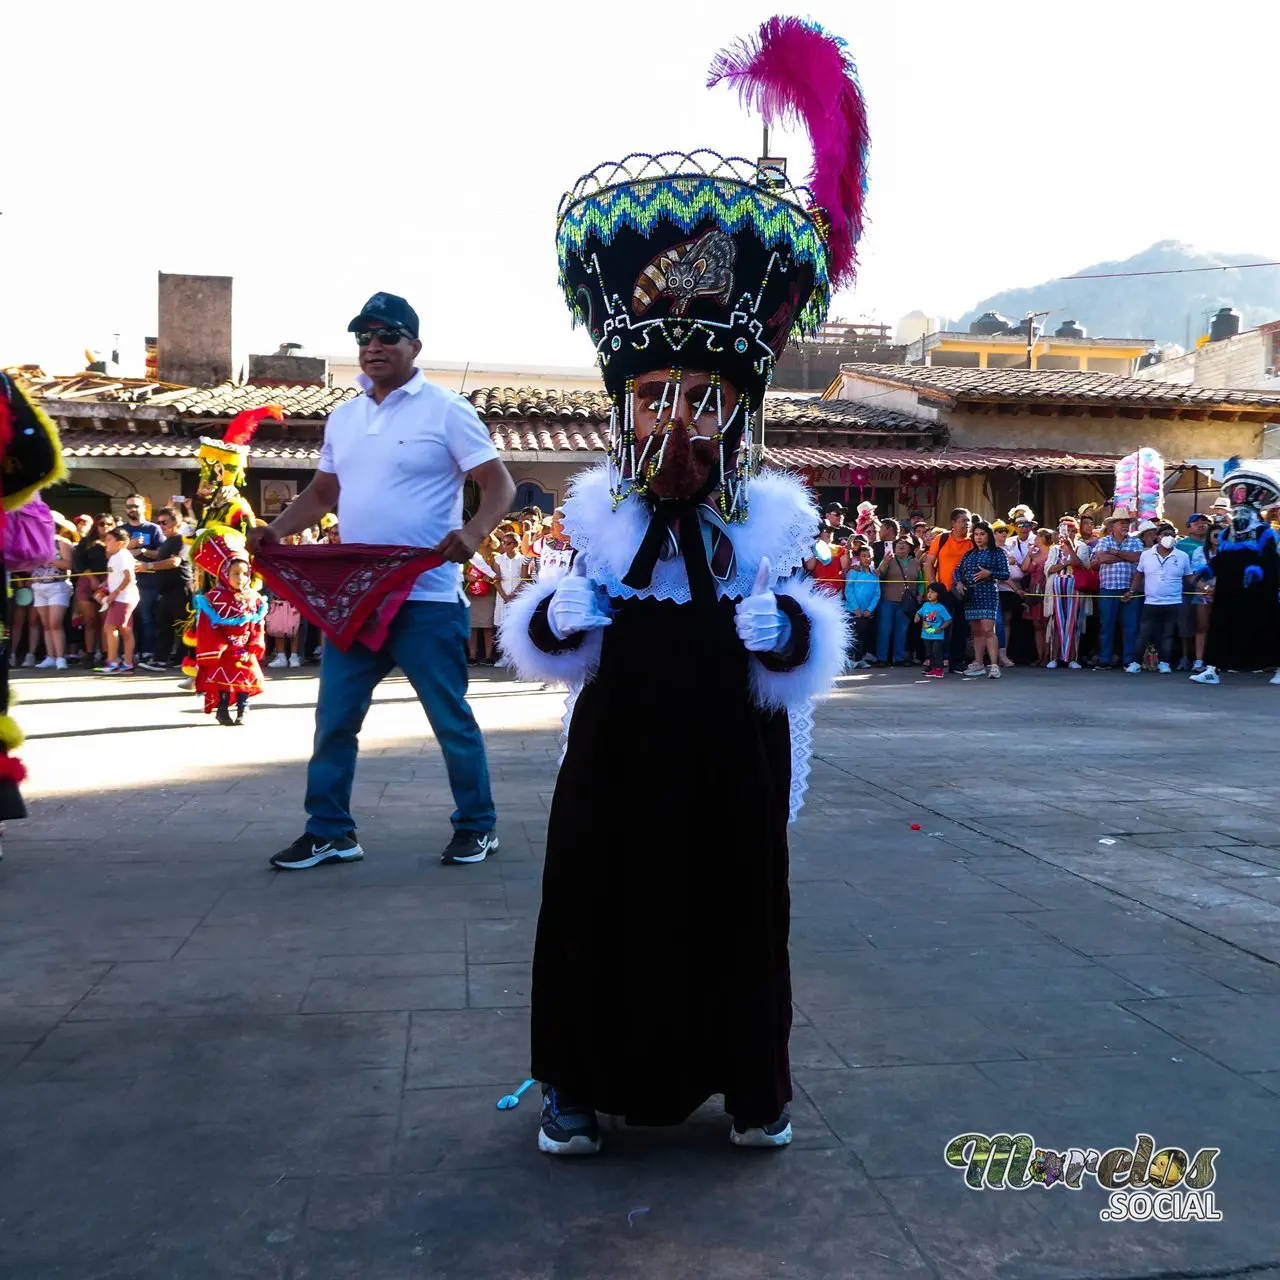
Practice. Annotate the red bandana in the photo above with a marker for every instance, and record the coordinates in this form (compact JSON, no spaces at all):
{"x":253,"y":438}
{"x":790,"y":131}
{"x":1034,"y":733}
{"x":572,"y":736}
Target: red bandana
{"x":351,"y":591}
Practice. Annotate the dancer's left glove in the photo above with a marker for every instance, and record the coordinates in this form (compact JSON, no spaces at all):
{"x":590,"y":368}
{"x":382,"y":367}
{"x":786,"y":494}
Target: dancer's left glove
{"x":762,"y":626}
{"x":578,"y":604}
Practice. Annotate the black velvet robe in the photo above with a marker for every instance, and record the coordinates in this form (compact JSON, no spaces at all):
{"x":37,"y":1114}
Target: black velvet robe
{"x":661,"y":973}
{"x":1244,"y":621}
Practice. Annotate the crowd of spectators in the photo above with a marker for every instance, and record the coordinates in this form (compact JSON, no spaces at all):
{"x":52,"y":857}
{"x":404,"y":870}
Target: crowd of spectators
{"x":975,"y":598}
{"x":981,"y":596}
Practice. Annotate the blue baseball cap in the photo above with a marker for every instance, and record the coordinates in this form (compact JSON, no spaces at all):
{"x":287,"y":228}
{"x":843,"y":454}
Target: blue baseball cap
{"x":388,"y":309}
{"x":1197,"y":515}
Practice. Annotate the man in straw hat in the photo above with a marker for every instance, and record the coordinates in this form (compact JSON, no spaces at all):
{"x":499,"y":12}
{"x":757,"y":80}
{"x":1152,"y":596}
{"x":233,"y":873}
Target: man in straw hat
{"x":1116,"y":557}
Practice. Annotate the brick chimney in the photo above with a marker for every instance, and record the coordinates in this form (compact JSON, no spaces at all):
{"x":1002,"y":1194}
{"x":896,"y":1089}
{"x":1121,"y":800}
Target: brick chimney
{"x":194,"y":344}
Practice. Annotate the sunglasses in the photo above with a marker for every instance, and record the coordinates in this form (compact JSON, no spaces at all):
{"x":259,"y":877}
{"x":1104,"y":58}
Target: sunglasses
{"x":385,"y":337}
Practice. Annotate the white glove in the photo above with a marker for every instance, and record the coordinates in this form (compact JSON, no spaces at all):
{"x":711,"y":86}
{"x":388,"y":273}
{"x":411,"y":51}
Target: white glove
{"x":576,"y":605}
{"x":762,"y":626}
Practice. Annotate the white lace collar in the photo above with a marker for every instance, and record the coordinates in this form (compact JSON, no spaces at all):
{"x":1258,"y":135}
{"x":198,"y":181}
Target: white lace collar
{"x":781,"y":523}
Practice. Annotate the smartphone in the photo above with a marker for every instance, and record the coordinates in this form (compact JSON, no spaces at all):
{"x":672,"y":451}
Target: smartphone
{"x":177,"y":500}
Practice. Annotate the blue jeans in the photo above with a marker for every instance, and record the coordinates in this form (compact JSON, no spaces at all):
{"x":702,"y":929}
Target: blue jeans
{"x":427,"y":641}
{"x":1112,"y":609}
{"x":144,"y":616}
{"x":1000,"y":638}
{"x":891,"y":622}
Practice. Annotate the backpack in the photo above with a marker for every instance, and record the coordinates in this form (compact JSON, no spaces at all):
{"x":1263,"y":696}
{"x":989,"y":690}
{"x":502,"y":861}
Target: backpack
{"x":28,"y":537}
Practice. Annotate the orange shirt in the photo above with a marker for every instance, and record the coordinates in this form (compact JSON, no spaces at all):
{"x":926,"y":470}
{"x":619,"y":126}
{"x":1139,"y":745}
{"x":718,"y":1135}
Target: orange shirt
{"x":953,"y":551}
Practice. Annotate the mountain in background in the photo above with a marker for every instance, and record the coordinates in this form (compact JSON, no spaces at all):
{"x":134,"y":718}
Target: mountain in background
{"x":1174,"y":308}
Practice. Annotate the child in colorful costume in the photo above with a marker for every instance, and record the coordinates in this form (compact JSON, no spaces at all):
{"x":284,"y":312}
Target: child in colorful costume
{"x":230,"y":637}
{"x":32,"y":459}
{"x":222,"y":465}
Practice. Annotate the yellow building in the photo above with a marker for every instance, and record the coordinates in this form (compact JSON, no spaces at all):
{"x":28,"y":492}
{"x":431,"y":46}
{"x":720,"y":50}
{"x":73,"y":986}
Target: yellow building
{"x":1048,"y":351}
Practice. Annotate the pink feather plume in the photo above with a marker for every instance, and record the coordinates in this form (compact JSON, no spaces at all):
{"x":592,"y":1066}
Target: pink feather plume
{"x":792,"y":70}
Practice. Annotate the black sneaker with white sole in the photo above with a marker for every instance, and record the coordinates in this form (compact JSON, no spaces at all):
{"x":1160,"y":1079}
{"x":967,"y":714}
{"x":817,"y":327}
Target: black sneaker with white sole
{"x":567,"y":1129}
{"x":313,"y":851}
{"x":777,"y":1134}
{"x":470,"y":846}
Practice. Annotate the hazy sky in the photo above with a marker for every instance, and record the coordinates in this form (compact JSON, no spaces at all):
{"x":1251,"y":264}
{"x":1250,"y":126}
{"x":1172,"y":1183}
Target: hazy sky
{"x":319,"y":152}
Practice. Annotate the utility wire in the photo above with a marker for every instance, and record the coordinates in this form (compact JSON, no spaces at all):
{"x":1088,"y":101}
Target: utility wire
{"x":1172,"y":271}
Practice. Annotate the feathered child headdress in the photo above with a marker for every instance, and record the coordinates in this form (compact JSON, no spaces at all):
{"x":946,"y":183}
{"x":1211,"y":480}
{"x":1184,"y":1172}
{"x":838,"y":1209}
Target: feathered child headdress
{"x":232,"y":451}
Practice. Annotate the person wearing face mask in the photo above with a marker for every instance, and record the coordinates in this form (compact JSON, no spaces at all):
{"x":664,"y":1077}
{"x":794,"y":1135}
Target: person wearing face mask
{"x":1162,"y":575}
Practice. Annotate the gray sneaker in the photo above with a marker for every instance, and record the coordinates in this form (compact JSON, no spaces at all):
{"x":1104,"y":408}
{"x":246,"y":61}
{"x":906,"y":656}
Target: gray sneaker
{"x":567,"y":1129}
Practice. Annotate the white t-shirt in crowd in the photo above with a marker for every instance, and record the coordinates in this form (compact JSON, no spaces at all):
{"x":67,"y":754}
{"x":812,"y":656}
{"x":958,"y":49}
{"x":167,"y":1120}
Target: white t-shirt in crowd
{"x":1162,"y":575}
{"x":117,"y":565}
{"x":401,"y":466}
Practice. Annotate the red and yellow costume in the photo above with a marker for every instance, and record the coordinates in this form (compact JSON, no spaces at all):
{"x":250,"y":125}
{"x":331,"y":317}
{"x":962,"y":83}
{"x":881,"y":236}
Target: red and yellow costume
{"x":230,"y":637}
{"x":222,"y":468}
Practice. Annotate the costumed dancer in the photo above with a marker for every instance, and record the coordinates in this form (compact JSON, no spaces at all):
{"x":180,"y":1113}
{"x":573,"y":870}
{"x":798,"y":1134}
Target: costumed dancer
{"x":1244,"y":617}
{"x":222,"y":467}
{"x":32,"y":460}
{"x":230,"y":637}
{"x":691,"y":649}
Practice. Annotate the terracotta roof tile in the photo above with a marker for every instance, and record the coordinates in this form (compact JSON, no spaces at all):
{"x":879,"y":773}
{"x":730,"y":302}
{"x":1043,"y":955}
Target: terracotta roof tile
{"x":947,"y":459}
{"x":960,"y":384}
{"x":102,"y":443}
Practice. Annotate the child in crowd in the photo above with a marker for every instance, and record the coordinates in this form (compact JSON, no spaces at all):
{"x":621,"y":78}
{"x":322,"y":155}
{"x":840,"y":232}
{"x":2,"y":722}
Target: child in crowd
{"x":229,"y":630}
{"x":118,"y":601}
{"x":861,"y":598}
{"x":284,"y":624}
{"x":934,"y":618}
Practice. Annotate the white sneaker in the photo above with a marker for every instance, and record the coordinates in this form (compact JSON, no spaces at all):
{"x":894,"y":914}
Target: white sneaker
{"x":1197,"y":665}
{"x":1074,"y":666}
{"x":1275,"y":679}
{"x":295,"y":660}
{"x":45,"y":664}
{"x":29,"y":660}
{"x":993,"y":673}
{"x":1165,"y":669}
{"x":278,"y":661}
{"x":975,"y":669}
{"x":777,"y":1134}
{"x":1210,"y":676}
{"x":1134,"y":669}
{"x":60,"y":664}
{"x":1051,"y":666}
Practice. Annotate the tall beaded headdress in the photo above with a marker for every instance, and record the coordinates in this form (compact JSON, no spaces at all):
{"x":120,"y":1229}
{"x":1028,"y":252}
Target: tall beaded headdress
{"x":697,"y":262}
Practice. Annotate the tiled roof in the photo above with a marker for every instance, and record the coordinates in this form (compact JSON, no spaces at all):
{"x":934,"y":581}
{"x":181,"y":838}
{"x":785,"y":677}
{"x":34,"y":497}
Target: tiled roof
{"x":100,"y":443}
{"x":494,"y":404}
{"x":942,"y":459}
{"x":948,"y":383}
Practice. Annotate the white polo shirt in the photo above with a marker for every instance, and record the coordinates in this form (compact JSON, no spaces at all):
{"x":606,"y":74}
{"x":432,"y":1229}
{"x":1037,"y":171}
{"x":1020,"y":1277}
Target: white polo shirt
{"x":401,"y":466}
{"x":1162,"y":575}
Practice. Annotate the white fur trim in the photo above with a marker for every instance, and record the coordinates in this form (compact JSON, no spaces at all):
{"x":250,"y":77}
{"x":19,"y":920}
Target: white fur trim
{"x":782,"y":523}
{"x":828,"y":650}
{"x":571,"y":667}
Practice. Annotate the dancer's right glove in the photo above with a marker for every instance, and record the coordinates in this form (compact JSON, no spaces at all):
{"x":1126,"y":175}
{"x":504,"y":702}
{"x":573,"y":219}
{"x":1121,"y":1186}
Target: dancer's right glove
{"x":579,"y":604}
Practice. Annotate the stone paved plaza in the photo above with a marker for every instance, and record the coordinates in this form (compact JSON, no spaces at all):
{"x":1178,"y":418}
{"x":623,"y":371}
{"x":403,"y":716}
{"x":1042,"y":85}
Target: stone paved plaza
{"x":209,"y":1071}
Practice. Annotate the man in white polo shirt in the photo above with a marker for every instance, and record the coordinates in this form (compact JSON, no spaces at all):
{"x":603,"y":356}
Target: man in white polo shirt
{"x":1163,"y":572}
{"x":394,"y":463}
